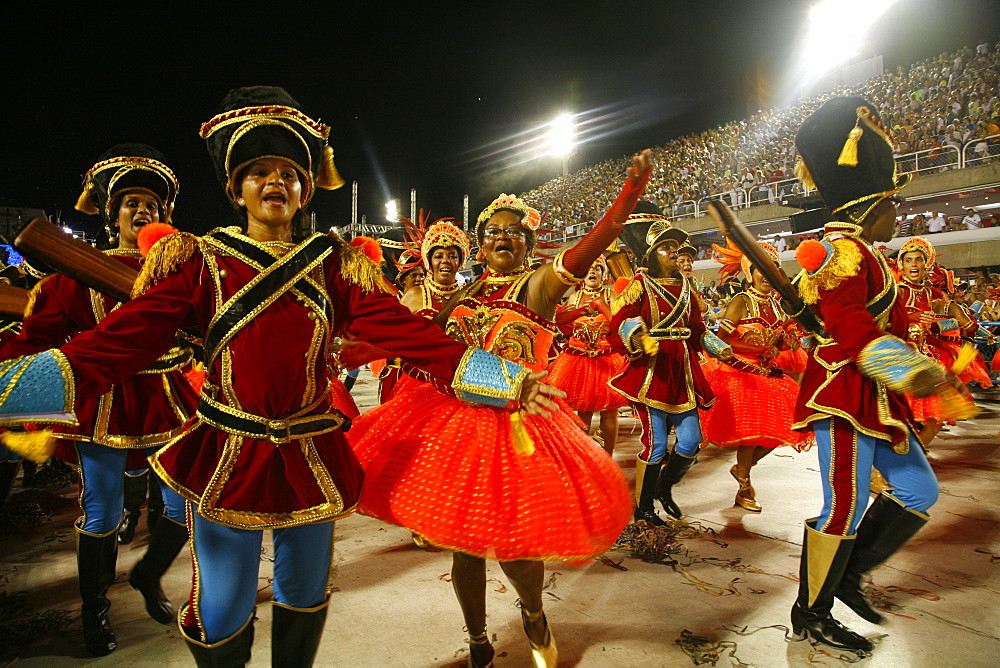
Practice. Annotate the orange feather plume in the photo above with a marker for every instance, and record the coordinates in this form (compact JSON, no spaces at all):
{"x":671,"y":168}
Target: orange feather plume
{"x":369,"y":247}
{"x":811,"y":255}
{"x":730,"y":257}
{"x":151,"y":233}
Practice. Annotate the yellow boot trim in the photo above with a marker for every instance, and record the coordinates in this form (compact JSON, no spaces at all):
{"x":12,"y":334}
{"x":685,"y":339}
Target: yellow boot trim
{"x":181,"y":614}
{"x":640,"y":475}
{"x":78,"y":525}
{"x":326,"y":602}
{"x":925,"y":516}
{"x":820,"y":550}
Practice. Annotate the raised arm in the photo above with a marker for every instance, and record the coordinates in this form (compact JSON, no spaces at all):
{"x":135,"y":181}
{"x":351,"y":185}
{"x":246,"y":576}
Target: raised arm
{"x":550,"y":281}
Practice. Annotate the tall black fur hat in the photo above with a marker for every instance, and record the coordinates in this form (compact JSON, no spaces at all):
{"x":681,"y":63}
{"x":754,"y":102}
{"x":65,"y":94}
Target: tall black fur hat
{"x":846,"y":153}
{"x":125,"y":167}
{"x":266,"y":122}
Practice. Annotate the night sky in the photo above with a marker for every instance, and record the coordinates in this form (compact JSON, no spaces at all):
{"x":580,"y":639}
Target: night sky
{"x":420,"y":95}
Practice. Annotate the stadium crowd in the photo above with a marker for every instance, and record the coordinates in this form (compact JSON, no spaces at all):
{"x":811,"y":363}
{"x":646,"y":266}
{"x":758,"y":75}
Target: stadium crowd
{"x":947,"y":101}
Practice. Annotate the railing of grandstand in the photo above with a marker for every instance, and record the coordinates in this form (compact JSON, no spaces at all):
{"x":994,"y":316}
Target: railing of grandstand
{"x":686,"y":209}
{"x":981,"y":151}
{"x":938,"y":159}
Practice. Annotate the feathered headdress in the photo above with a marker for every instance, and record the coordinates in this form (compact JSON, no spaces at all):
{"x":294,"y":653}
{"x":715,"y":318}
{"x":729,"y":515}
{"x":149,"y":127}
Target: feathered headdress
{"x":918,"y":245}
{"x":733,"y":260}
{"x":530,"y":217}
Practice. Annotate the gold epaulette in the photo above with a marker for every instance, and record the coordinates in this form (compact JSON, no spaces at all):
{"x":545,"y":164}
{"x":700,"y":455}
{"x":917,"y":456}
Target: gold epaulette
{"x":33,"y":293}
{"x":629,"y":295}
{"x":356,"y":267}
{"x":843,"y":263}
{"x":164,"y":258}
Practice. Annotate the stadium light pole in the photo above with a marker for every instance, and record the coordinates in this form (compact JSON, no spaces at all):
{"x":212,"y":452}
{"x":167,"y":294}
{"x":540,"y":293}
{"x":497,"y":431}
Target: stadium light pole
{"x":562,"y":135}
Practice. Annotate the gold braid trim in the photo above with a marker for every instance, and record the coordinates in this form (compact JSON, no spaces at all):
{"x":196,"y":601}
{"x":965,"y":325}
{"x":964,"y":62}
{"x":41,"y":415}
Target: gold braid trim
{"x":629,"y":295}
{"x":846,"y":262}
{"x":164,"y":258}
{"x":358,"y":268}
{"x":33,"y":296}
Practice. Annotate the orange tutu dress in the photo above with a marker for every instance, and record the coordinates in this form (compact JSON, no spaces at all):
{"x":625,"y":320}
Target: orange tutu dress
{"x":456,"y":473}
{"x":587,"y":363}
{"x":752,"y":406}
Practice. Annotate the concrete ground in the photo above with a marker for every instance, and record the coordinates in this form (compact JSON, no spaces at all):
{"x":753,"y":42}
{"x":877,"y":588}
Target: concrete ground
{"x":732,"y":583}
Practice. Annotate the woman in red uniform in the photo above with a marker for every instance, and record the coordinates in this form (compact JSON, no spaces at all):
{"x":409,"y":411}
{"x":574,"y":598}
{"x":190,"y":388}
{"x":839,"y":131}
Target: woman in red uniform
{"x":587,"y":362}
{"x":265,"y":450}
{"x":755,"y":401}
{"x":132,"y":187}
{"x":485,"y":482}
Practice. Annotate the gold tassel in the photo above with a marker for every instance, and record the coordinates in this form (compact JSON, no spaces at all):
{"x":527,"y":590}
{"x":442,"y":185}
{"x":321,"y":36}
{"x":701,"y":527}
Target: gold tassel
{"x":328,"y":178}
{"x":164,"y":258}
{"x":523,"y":443}
{"x":844,"y":263}
{"x":803,"y":174}
{"x":33,"y":296}
{"x":37,"y":446}
{"x":629,"y":295}
{"x":85,"y":202}
{"x":849,"y":154}
{"x":358,"y":268}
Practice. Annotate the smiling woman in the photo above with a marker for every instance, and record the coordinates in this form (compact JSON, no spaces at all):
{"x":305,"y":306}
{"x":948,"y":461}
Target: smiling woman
{"x":266,"y":449}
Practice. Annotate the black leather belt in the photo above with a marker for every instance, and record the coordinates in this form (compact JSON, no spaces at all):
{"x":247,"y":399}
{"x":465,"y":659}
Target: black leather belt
{"x":277,"y":431}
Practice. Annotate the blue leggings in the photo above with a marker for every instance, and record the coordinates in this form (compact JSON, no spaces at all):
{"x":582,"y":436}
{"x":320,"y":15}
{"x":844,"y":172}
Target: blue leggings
{"x":656,"y":426}
{"x":102,"y":489}
{"x":227,"y":561}
{"x":846,"y":471}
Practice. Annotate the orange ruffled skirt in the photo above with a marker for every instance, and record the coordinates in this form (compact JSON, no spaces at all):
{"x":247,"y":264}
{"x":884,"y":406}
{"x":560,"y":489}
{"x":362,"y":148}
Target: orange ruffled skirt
{"x":751,"y":409}
{"x":585,"y":380}
{"x":450,"y":472}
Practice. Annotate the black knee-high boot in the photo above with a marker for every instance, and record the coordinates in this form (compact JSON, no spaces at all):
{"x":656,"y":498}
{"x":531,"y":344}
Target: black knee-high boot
{"x":674,"y":470}
{"x":135,"y":494}
{"x":96,"y":557}
{"x":166,"y":541}
{"x":886,"y":526}
{"x":824,"y":558}
{"x":295,"y":634}
{"x":154,"y":506}
{"x":646,"y":475}
{"x":231,"y":652}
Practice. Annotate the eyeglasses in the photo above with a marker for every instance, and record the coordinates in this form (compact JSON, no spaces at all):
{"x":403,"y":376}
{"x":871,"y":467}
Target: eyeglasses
{"x":495,"y":232}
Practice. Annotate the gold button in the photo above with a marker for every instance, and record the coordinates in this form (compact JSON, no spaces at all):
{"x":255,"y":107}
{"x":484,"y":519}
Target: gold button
{"x":311,"y":315}
{"x":223,"y":273}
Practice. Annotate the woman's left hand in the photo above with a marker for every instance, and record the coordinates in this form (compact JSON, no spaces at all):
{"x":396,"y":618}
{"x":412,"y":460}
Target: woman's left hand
{"x":535,"y":396}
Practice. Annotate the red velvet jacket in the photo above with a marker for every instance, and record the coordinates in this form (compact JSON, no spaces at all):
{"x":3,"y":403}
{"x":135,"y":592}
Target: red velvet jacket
{"x":832,"y":385}
{"x":274,"y":367}
{"x":143,"y":409}
{"x":671,"y":380}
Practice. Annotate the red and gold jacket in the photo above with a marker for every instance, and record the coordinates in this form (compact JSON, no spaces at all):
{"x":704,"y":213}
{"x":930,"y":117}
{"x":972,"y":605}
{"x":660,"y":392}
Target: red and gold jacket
{"x":265,"y":449}
{"x":146,"y":409}
{"x":858,"y":369}
{"x":662,"y":308}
